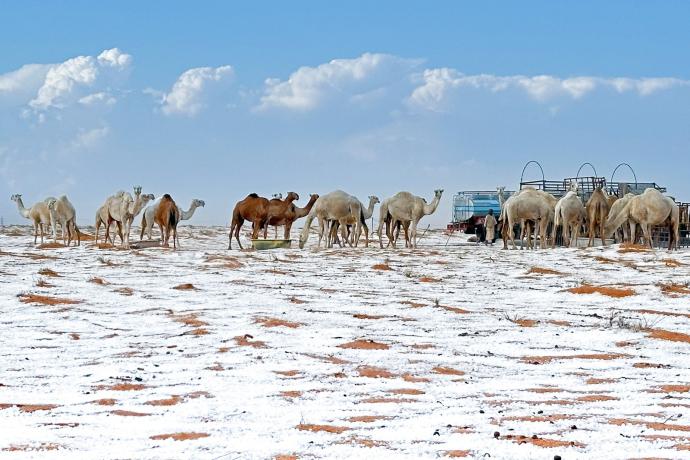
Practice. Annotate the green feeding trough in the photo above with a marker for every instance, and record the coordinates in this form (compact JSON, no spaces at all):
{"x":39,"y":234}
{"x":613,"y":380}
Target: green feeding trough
{"x":260,"y":245}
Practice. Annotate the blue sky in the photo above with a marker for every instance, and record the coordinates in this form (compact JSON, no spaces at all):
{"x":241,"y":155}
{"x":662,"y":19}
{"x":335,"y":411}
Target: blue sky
{"x":216,"y":100}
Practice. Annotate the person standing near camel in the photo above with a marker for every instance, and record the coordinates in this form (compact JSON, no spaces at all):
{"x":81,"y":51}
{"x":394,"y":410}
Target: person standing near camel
{"x":490,"y":225}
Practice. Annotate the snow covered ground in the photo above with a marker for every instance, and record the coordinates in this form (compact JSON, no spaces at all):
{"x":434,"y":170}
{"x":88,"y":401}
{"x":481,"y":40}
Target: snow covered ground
{"x":457,"y":350}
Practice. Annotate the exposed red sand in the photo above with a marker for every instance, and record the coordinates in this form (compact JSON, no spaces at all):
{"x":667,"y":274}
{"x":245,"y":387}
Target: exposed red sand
{"x":189,"y":319}
{"x":447,"y":371}
{"x":650,"y":366}
{"x":413,"y":379}
{"x":543,"y":271}
{"x":412,"y":304}
{"x":380,"y":400}
{"x":422,"y":346}
{"x":184,"y":436}
{"x":406,"y":391}
{"x":74,"y":336}
{"x":105,"y":402}
{"x":595,"y":381}
{"x":185,"y":287}
{"x":671,"y":262}
{"x":46,"y":300}
{"x":286,"y":457}
{"x":365,"y":316}
{"x":328,"y":358}
{"x":544,"y":442}
{"x":663,"y":334}
{"x":557,"y":322}
{"x":456,"y":310}
{"x":428,"y":279}
{"x":50,"y":246}
{"x":275,"y":322}
{"x":548,"y":359}
{"x":675,"y":388}
{"x":603,"y":290}
{"x":456,"y":453}
{"x":290,"y":373}
{"x":630,"y":247}
{"x":44,"y":284}
{"x":97,"y":280}
{"x":375,"y":372}
{"x":381,"y":267}
{"x":297,"y":301}
{"x":321,"y":428}
{"x":663,"y":313}
{"x":171,"y":401}
{"x":122,"y":387}
{"x":364,"y":442}
{"x":49,"y":272}
{"x":658,"y":426}
{"x":672,"y":289}
{"x":129,"y":413}
{"x":596,"y":398}
{"x":545,"y":390}
{"x":244,"y":341}
{"x":367,"y":418}
{"x":44,"y":446}
{"x":125,"y":291}
{"x":291,"y":394}
{"x":364,"y":345}
{"x":525,"y":322}
{"x":540,"y":418}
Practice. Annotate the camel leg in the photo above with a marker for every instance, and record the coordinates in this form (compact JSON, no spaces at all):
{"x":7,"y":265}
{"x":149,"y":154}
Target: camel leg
{"x":288,"y":227}
{"x":380,"y":229}
{"x":107,"y":229}
{"x":566,"y":235}
{"x":601,"y":232}
{"x":413,"y":234}
{"x":238,"y":227}
{"x":389,"y":232}
{"x":366,"y":235}
{"x":35,"y":232}
{"x":321,"y":230}
{"x":232,"y":229}
{"x":591,"y":234}
{"x":164,"y":237}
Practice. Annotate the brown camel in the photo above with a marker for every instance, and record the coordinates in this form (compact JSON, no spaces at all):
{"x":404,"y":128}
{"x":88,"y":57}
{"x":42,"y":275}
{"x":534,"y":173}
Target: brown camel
{"x":282,"y":211}
{"x":167,"y":216}
{"x":295,"y":213}
{"x":597,"y":208}
{"x":254,"y":208}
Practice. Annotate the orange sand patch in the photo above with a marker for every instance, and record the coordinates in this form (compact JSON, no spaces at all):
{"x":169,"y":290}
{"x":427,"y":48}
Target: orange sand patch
{"x":44,"y":446}
{"x":556,"y":322}
{"x":291,"y":394}
{"x":179,"y":436}
{"x":412,"y":379}
{"x":456,"y":453}
{"x":625,"y":343}
{"x":682,"y":446}
{"x":124,"y":291}
{"x":228,"y":261}
{"x":603,"y":290}
{"x":295,"y":300}
{"x":663,"y":313}
{"x":631,"y":247}
{"x":456,"y":310}
{"x":286,"y":457}
{"x":525,"y":322}
{"x":367,"y":418}
{"x":650,"y":366}
{"x":412,"y":304}
{"x":544,"y":390}
{"x":672,"y":262}
{"x":381,"y":267}
{"x":105,"y":402}
{"x":540,"y":418}
{"x":594,"y":381}
{"x":171,"y":401}
{"x":596,"y":398}
{"x":379,"y":400}
{"x":447,"y":371}
{"x":364,"y":442}
{"x":290,"y":373}
{"x":365,"y":316}
{"x":74,"y":336}
{"x":375,"y":372}
{"x":223,"y":349}
{"x":28,"y":408}
{"x":662,"y":334}
{"x":328,"y":358}
{"x":275,"y":322}
{"x":129,"y":413}
{"x":97,"y":280}
{"x":322,"y":428}
{"x":190,"y":319}
{"x":364,"y":345}
{"x":428,"y":279}
{"x":199,"y":331}
{"x":244,"y":341}
{"x":122,"y":387}
{"x":675,"y":388}
{"x":186,"y":287}
{"x":548,"y":359}
{"x":672,"y":289}
{"x":544,"y":271}
{"x":651,"y":425}
{"x":44,"y":284}
{"x":46,"y":300}
{"x":406,"y":391}
{"x":547,"y":443}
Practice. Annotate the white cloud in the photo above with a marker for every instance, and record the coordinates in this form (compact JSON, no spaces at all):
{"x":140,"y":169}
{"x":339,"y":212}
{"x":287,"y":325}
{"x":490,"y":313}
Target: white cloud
{"x":87,"y":139}
{"x":101,"y":97}
{"x":25,"y":78}
{"x":66,"y":81}
{"x":187,"y":94}
{"x":436,"y":84}
{"x":309,"y":87}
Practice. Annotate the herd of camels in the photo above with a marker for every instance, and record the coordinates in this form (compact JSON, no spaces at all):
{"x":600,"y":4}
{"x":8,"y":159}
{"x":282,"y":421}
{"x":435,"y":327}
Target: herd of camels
{"x":341,"y":213}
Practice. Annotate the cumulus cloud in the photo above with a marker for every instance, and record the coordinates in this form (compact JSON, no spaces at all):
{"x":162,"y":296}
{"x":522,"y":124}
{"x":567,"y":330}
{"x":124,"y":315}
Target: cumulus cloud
{"x":309,"y":87}
{"x":66,"y":82}
{"x":100,"y":98}
{"x":437,"y":84}
{"x":188,"y":93}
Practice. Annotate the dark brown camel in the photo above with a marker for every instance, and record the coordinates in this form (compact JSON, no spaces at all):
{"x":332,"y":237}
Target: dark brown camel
{"x":167,"y":216}
{"x":280,"y":210}
{"x":292,"y":214}
{"x":254,"y":208}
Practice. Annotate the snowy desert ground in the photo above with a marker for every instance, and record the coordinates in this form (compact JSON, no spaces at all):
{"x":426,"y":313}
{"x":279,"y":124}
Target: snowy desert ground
{"x":444,"y":351}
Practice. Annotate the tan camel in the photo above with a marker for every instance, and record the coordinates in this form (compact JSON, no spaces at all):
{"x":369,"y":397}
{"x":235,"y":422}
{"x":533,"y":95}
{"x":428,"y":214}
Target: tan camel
{"x":525,"y":205}
{"x":335,"y":206}
{"x":167,"y":216}
{"x":630,"y":227}
{"x":649,"y":209}
{"x":39,"y":214}
{"x":597,"y":212}
{"x":570,"y":213}
{"x":253,"y":208}
{"x":367,"y":212}
{"x":63,"y":212}
{"x":122,"y":209}
{"x":408,"y":209}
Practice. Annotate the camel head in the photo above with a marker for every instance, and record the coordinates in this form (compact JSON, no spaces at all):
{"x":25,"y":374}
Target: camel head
{"x":501,"y":189}
{"x":374,"y":199}
{"x":573,"y":186}
{"x":198,"y":203}
{"x":137,"y":189}
{"x":16,"y":197}
{"x":292,"y":196}
{"x":146,"y":198}
{"x":51,"y":203}
{"x":438,"y":192}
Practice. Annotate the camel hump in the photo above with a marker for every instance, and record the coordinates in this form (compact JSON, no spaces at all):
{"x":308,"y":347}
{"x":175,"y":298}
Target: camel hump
{"x":167,"y":197}
{"x":253,"y":195}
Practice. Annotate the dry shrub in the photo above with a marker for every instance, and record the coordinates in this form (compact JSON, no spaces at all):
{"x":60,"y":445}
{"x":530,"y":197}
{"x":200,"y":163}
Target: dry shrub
{"x":48,"y":272}
{"x":124,"y":291}
{"x":603,"y":290}
{"x":295,"y":300}
{"x":44,"y":446}
{"x":383,"y":267}
{"x":74,"y":336}
{"x":186,"y":287}
{"x":671,"y":289}
{"x":632,"y":247}
{"x":365,"y":316}
{"x":244,"y":341}
{"x":543,"y":271}
{"x":44,"y":284}
{"x":364,"y":345}
{"x":184,"y":436}
{"x":46,"y":300}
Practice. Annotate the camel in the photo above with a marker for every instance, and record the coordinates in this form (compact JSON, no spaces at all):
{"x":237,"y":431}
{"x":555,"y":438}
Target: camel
{"x":147,"y":218}
{"x":615,"y":209}
{"x":528,"y":204}
{"x":292,"y":214}
{"x":335,"y":206}
{"x":366,"y":214}
{"x":62,"y":212}
{"x":385,"y":217}
{"x":597,"y":212}
{"x":253,"y":208}
{"x":167,"y":216}
{"x":39,"y":214}
{"x":102,"y":219}
{"x":569,"y":213}
{"x":281,"y":210}
{"x":408,"y":209}
{"x":122,"y":209}
{"x":648,"y":209}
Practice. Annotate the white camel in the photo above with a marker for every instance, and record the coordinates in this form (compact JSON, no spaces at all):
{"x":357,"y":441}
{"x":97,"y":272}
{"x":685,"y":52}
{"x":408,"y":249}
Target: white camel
{"x":122,"y":209}
{"x":648,"y":209}
{"x":367,"y":212}
{"x":335,"y":206}
{"x":629,"y":227}
{"x":147,"y":217}
{"x":38,"y":214}
{"x":570,"y":213}
{"x":62,"y":212}
{"x":528,"y":204}
{"x":407,"y":209}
